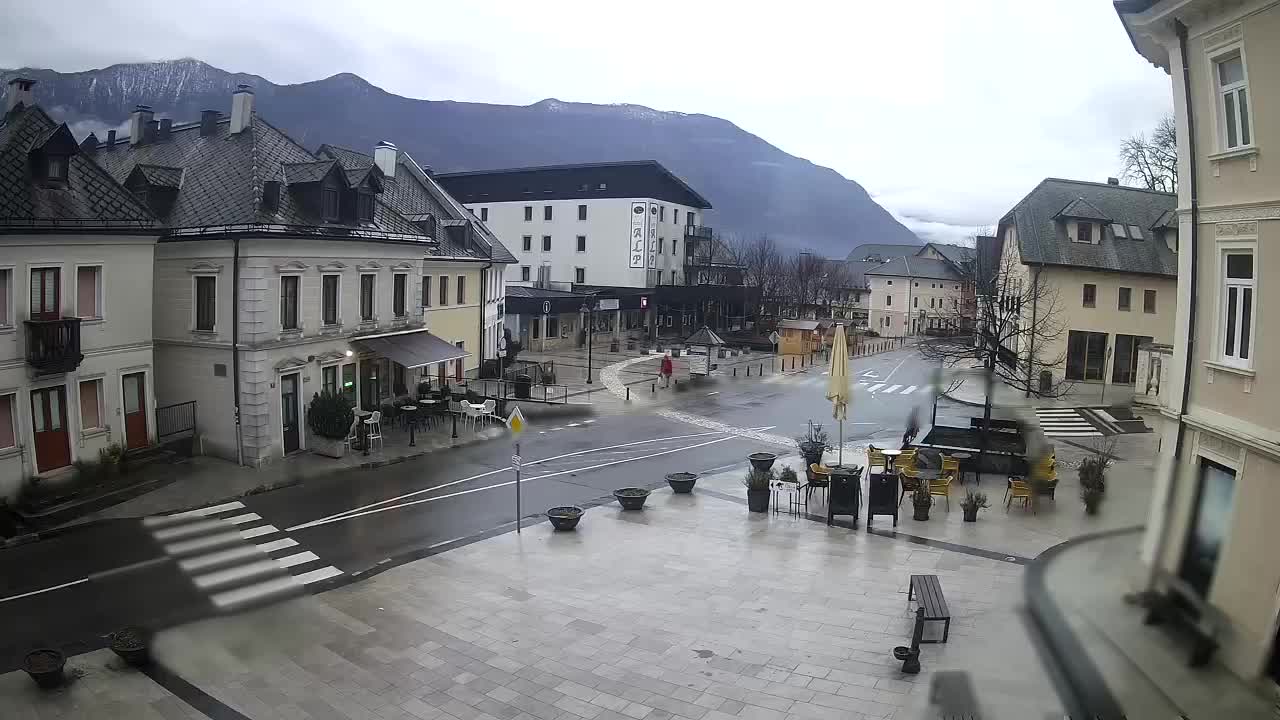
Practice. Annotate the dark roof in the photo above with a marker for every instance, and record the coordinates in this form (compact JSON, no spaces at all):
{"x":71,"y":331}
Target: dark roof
{"x":161,"y":176}
{"x":882,"y":252}
{"x":989,"y":250}
{"x":957,"y":254}
{"x":1169,"y":219}
{"x":802,"y":324}
{"x":704,"y":336}
{"x":526,"y":291}
{"x":350,"y":159}
{"x":307,"y":172}
{"x":628,"y":179}
{"x":857,"y":270}
{"x":1083,"y":209}
{"x":1042,"y":239}
{"x":917,"y":267}
{"x":90,"y":198}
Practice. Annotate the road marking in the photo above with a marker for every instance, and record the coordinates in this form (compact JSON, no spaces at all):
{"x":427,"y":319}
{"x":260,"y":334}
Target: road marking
{"x":274,"y":545}
{"x":909,"y":390}
{"x":323,"y":573}
{"x":892,"y":388}
{"x":45,"y":590}
{"x":198,"y":512}
{"x":242,"y":519}
{"x":353,"y":515}
{"x":433,"y":488}
{"x":297,"y":559}
{"x":258,"y":531}
{"x":200,"y":562}
{"x":219,"y":578}
{"x":895,"y":367}
{"x":714,"y":392}
{"x":268,"y":588}
{"x":875,"y":387}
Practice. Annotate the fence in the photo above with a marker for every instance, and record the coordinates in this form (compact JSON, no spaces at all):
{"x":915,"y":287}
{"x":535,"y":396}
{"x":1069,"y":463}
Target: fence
{"x":506,"y":390}
{"x":176,"y":422}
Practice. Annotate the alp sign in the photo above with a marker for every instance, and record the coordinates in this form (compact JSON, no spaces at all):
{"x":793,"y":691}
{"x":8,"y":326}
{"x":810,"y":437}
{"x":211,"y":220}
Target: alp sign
{"x":638,"y":226}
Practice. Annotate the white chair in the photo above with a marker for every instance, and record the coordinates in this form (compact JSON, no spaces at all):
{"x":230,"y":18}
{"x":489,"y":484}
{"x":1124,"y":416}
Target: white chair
{"x":353,"y":434}
{"x":473,"y":413}
{"x":490,"y":406}
{"x":373,"y":429}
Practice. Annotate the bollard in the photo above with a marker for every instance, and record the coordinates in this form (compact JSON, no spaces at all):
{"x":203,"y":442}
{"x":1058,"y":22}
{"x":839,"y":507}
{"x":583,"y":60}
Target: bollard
{"x":735,"y":371}
{"x":628,"y":393}
{"x":653,"y":387}
{"x":748,"y":371}
{"x":760,"y":371}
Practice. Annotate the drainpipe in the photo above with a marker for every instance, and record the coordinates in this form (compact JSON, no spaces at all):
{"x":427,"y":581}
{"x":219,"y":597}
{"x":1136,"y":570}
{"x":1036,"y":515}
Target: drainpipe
{"x":235,"y":345}
{"x":1031,"y":349}
{"x":484,"y":304}
{"x":1162,"y":538}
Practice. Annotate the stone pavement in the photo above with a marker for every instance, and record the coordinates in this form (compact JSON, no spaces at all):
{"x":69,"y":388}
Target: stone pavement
{"x":692,"y":609}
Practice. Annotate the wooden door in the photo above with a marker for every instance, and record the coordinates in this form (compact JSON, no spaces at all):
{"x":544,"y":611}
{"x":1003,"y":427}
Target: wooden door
{"x":46,"y":294}
{"x":289,"y":411}
{"x":49,"y":424}
{"x":134,"y":387}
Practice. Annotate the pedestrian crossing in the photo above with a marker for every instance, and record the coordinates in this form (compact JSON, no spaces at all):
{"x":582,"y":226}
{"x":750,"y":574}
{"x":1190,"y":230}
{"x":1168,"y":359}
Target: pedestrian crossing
{"x":869,"y":386}
{"x":1065,"y":422}
{"x":235,"y":557}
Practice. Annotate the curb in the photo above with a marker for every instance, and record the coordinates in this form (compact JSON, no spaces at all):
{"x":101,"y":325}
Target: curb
{"x":970,"y":403}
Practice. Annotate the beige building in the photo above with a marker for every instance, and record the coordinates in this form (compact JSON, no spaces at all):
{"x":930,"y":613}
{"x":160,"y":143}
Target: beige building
{"x":282,"y":273}
{"x":1212,"y":520}
{"x":75,"y":302}
{"x":1105,"y":258}
{"x":915,"y":295}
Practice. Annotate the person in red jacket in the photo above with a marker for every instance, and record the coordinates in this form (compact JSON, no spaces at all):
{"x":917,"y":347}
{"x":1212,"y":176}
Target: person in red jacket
{"x":665,"y":371}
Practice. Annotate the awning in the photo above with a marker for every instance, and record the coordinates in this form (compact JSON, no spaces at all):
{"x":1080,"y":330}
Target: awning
{"x":412,"y":350}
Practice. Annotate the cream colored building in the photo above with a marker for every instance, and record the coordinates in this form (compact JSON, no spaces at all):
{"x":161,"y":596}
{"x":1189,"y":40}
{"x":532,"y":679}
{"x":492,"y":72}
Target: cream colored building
{"x":1105,"y":259}
{"x":915,"y":295}
{"x":282,"y":273}
{"x":1212,"y":519}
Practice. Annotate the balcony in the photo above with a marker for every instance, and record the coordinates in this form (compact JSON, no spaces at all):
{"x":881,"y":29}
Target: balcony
{"x":697,"y":232}
{"x":53,"y":346}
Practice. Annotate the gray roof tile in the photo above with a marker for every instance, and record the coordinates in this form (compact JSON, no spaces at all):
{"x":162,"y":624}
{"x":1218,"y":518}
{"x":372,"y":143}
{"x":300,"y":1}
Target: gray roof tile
{"x":917,"y":267}
{"x":882,"y":252}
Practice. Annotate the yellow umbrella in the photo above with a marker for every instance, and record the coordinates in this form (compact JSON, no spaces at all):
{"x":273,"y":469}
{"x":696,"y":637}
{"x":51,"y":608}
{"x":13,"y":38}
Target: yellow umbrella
{"x":838,"y":383}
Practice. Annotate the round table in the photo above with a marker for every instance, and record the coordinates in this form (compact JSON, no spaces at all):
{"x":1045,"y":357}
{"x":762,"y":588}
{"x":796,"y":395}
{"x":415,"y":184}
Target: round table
{"x":410,"y":419}
{"x":964,"y":457}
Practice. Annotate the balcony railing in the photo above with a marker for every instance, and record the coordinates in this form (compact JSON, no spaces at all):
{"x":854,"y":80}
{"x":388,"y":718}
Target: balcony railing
{"x":697,"y":232}
{"x":53,"y":346}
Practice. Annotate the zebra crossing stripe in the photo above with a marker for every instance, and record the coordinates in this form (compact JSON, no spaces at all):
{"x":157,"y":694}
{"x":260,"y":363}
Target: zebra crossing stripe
{"x":892,"y":388}
{"x":323,"y":573}
{"x":875,"y":387}
{"x":909,"y":390}
{"x":252,"y":533}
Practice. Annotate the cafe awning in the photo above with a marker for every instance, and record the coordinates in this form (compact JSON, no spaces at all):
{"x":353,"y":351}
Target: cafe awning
{"x":412,"y":349}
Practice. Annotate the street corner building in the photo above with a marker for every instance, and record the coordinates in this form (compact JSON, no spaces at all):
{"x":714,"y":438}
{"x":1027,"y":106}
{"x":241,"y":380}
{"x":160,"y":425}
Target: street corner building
{"x":1212,"y":532}
{"x":912,"y":289}
{"x":76,"y":361}
{"x":282,"y":272}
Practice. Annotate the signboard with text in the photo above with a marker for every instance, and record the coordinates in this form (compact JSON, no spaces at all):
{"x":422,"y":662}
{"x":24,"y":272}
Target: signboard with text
{"x":698,"y":364}
{"x":638,"y":240}
{"x":652,"y":234}
{"x":608,"y":304}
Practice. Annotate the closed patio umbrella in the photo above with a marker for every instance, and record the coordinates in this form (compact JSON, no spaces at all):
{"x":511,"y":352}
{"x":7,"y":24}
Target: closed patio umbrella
{"x":838,"y":384}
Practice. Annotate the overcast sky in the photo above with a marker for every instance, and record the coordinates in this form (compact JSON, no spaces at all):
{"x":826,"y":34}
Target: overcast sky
{"x":947,"y":112}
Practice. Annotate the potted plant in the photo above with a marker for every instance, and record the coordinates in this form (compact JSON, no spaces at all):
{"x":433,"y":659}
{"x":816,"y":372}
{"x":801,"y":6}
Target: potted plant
{"x":329,"y":416}
{"x":565,"y":517}
{"x":133,"y":645}
{"x":631,"y":498}
{"x":758,"y":482}
{"x":682,"y":482}
{"x":972,"y":502}
{"x":762,"y":460}
{"x":921,"y":500}
{"x":45,"y":666}
{"x":813,"y":444}
{"x":788,"y":475}
{"x":1093,"y":479}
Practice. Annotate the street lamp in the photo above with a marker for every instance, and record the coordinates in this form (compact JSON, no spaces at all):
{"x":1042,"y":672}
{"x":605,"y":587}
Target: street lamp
{"x":589,"y":309}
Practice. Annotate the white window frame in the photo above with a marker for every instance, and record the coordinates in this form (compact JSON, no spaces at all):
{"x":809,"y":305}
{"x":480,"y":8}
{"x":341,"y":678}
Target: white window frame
{"x":195,"y":302}
{"x":580,"y":275}
{"x":7,"y":323}
{"x":373,"y":300}
{"x":526,"y":273}
{"x":13,"y":422}
{"x":280,"y":307}
{"x":1220,"y":92}
{"x":337,"y":314}
{"x":99,"y":290}
{"x":337,"y":371}
{"x":408,"y":290}
{"x":1220,"y":336}
{"x":102,"y":405}
{"x":580,"y":243}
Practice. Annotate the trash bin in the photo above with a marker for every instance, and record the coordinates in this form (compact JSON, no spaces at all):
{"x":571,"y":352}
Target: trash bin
{"x":613,"y":346}
{"x":523,"y":385}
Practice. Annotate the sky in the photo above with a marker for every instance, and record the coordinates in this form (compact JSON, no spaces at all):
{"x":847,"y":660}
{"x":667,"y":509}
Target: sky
{"x":946,"y":112}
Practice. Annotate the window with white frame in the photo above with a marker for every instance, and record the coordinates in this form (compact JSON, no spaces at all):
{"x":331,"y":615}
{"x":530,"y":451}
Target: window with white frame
{"x":6,"y":297}
{"x":367,"y":283}
{"x":329,"y":285}
{"x":524,"y":273}
{"x":329,"y":379}
{"x":1235,"y":332}
{"x":206,"y":302}
{"x":8,"y":423}
{"x":1233,"y":101}
{"x":400,"y":295}
{"x":579,"y":275}
{"x":289,"y":302}
{"x":89,"y":291}
{"x":91,"y":410}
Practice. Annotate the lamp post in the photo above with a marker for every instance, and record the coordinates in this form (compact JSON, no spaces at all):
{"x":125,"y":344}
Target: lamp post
{"x":589,"y":309}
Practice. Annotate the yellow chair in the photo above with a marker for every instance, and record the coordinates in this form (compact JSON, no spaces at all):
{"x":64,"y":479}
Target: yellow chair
{"x":819,"y":477}
{"x":950,"y":464}
{"x":942,"y":486}
{"x":906,"y":460}
{"x":1019,"y":490}
{"x":875,"y":458}
{"x":910,"y":481}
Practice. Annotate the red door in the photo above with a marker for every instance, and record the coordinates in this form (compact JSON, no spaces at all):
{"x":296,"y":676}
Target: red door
{"x":135,"y":410}
{"x":49,"y":422}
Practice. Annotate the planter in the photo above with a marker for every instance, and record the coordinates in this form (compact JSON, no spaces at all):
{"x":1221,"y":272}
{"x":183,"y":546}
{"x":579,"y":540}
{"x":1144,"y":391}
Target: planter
{"x":631,"y":498}
{"x":565,"y":518}
{"x":1091,"y":508}
{"x":812,"y":453}
{"x":682,"y":482}
{"x":970,"y":514}
{"x":675,"y":352}
{"x":921,"y":512}
{"x":613,"y":346}
{"x":328,"y":447}
{"x":45,"y":666}
{"x":758,"y":500}
{"x":132,"y":645}
{"x":762,"y":461}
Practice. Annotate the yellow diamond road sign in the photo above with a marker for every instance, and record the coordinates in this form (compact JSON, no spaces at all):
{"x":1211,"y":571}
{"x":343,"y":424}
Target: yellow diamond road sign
{"x":516,"y":421}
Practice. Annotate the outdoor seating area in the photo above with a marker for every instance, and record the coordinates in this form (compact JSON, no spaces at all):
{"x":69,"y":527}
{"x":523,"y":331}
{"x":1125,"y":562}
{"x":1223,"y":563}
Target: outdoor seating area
{"x":408,"y":421}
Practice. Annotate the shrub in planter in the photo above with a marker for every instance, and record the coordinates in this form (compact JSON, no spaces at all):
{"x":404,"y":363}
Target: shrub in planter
{"x":758,"y":484}
{"x":972,"y":502}
{"x":329,"y":416}
{"x":921,"y":500}
{"x":111,"y":460}
{"x":45,"y":666}
{"x":565,"y":517}
{"x":813,"y":444}
{"x":788,"y":475}
{"x":1093,"y":479}
{"x":631,"y":498}
{"x":133,"y":645}
{"x":682,"y":482}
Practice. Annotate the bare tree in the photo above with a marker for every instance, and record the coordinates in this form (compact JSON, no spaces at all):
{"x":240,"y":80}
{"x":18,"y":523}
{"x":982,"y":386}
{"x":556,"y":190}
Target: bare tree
{"x":1015,"y":328}
{"x":1152,"y":162}
{"x":761,"y":261}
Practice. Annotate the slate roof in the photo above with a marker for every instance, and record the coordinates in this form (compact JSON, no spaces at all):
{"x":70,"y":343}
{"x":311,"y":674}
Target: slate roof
{"x":1042,"y":239}
{"x":307,"y":172}
{"x":857,"y":270}
{"x":90,"y":199}
{"x":1083,"y":209}
{"x":162,"y":176}
{"x":989,"y":251}
{"x":882,"y":251}
{"x":958,"y":254}
{"x":801,"y":324}
{"x":704,"y":336}
{"x":917,"y":267}
{"x":534,"y":292}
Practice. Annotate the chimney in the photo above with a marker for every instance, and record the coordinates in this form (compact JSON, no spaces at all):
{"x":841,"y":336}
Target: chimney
{"x":90,"y":144}
{"x":111,"y":138}
{"x":19,"y":92}
{"x":241,"y":109}
{"x":1113,"y":181}
{"x":150,"y":132}
{"x":166,"y":125}
{"x":138,"y":120}
{"x":384,"y":156}
{"x":208,"y":122}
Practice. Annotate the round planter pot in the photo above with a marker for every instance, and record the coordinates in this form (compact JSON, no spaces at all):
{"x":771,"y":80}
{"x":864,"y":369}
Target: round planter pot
{"x":45,"y":666}
{"x":762,"y":460}
{"x":758,"y":500}
{"x":631,"y":498}
{"x":133,"y":645}
{"x":682,"y":482}
{"x":812,"y":453}
{"x":970,"y":515}
{"x":921,"y":513}
{"x":565,"y":518}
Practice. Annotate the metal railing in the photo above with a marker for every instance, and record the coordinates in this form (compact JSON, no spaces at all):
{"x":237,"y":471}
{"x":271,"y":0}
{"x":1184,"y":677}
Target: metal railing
{"x":172,"y":420}
{"x":507,"y":390}
{"x":53,"y":346}
{"x":698,"y":232}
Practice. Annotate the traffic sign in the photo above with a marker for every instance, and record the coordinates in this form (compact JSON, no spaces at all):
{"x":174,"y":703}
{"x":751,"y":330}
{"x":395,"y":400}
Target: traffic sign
{"x":515,"y":461}
{"x":546,"y":307}
{"x":774,"y":337}
{"x":516,"y":421}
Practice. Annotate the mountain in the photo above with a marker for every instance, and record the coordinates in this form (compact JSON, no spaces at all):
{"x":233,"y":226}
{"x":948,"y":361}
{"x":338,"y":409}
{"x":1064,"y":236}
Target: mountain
{"x":755,"y":187}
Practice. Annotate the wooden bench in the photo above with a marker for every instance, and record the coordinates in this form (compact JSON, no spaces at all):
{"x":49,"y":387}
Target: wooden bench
{"x":1182,"y":605}
{"x":927,"y":592}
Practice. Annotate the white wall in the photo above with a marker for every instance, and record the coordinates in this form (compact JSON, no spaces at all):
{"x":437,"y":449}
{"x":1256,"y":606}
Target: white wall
{"x":607,"y":229}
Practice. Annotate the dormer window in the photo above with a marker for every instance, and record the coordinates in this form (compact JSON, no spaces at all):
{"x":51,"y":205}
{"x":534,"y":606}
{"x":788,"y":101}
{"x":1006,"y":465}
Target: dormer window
{"x":1084,"y":232}
{"x":329,"y":204}
{"x":56,"y":168}
{"x":364,"y":207}
{"x":1119,"y":231}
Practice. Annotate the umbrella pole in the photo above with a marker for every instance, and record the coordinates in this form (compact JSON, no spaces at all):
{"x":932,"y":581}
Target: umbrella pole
{"x":840,"y":455}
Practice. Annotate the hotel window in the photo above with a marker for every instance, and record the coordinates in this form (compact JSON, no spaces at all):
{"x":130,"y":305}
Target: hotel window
{"x":206,"y":302}
{"x":399,"y":294}
{"x":546,"y":243}
{"x":484,"y":214}
{"x":1235,"y":328}
{"x":329,"y":299}
{"x":582,"y":212}
{"x":88,"y":292}
{"x":444,"y":290}
{"x":675,"y":216}
{"x":528,"y":213}
{"x":349,"y":383}
{"x":1233,"y":103}
{"x":662,"y":213}
{"x":426,"y":291}
{"x":1149,"y":301}
{"x":526,"y":243}
{"x":8,"y":434}
{"x":1090,"y":297}
{"x":366,"y":297}
{"x":462,"y":289}
{"x":329,"y":379}
{"x":289,"y":302}
{"x":888,"y":300}
{"x":1125,"y":299}
{"x":91,"y":410}
{"x":6,"y":295}
{"x":546,"y":212}
{"x":524,"y":273}
{"x":582,"y":243}
{"x":580,"y":275}
{"x":661,"y":244}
